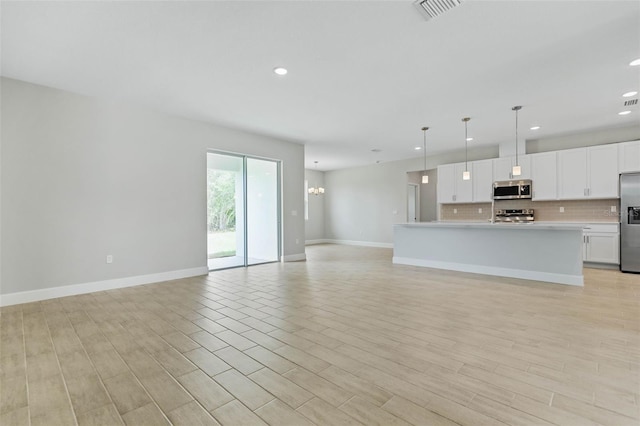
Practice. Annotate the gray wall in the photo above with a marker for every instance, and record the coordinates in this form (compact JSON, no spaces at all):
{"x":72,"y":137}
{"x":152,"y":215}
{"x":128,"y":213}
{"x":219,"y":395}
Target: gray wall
{"x":363,"y":203}
{"x":428,"y":194}
{"x":429,"y":198}
{"x":314,"y":227}
{"x":83,"y":178}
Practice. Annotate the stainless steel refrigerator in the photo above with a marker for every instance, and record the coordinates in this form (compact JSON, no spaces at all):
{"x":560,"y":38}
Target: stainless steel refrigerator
{"x":630,"y":222}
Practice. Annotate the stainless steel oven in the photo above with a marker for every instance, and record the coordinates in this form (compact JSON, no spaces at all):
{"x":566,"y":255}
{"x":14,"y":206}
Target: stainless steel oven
{"x":514,"y":216}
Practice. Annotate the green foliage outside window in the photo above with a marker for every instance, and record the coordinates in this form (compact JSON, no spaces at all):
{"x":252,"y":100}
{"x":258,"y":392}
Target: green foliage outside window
{"x":221,"y":188}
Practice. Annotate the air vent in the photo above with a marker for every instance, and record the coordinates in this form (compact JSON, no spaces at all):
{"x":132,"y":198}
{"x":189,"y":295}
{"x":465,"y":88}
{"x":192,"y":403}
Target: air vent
{"x":432,"y":8}
{"x":631,"y":102}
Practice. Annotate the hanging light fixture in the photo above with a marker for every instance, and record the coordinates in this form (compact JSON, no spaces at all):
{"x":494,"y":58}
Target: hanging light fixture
{"x":466,"y":175}
{"x":316,"y":190}
{"x":425,"y":176}
{"x":516,"y":170}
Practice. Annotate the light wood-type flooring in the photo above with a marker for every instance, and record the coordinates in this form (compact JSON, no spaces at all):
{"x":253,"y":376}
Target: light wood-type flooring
{"x":345,"y":338}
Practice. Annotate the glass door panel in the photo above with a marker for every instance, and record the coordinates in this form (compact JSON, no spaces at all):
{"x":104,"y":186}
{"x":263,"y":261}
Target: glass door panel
{"x":263,"y":212}
{"x":225,"y":211}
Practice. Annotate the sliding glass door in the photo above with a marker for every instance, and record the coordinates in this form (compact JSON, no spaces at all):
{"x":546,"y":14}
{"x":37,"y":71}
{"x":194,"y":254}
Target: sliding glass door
{"x":243,"y":214}
{"x":263,"y":213}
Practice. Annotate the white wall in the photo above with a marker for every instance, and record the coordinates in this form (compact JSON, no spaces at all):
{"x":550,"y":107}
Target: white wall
{"x":578,"y":140}
{"x":82,"y":178}
{"x":314,"y":227}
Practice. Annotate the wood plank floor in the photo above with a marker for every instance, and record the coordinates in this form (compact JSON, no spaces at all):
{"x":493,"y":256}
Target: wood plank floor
{"x":344,"y":338}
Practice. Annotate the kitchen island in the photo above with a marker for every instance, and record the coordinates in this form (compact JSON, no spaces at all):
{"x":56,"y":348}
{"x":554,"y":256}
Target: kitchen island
{"x":542,"y":252}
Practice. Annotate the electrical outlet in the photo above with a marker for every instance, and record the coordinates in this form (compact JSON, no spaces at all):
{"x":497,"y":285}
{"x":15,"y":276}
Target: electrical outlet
{"x":297,"y":241}
{"x":561,"y":209}
{"x":455,"y":211}
{"x":480,"y":210}
{"x":613,"y":209}
{"x":109,"y":258}
{"x":294,"y":212}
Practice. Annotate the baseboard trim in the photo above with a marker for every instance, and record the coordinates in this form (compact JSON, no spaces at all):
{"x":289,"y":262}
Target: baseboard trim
{"x":360,"y":243}
{"x":90,"y":287}
{"x":294,"y":257}
{"x":312,"y":242}
{"x":595,"y":265}
{"x":577,"y":280}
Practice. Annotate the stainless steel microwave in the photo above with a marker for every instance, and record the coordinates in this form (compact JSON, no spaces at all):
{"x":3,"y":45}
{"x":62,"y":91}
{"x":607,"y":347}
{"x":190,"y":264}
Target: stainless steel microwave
{"x":512,"y":189}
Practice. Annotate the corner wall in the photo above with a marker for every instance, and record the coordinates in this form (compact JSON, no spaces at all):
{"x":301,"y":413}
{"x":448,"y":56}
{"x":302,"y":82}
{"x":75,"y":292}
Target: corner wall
{"x":83,"y":178}
{"x":314,"y":225}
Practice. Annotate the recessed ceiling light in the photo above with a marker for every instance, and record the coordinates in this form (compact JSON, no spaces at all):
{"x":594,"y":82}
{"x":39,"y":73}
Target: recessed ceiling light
{"x":624,"y":112}
{"x":635,"y":62}
{"x":535,"y":127}
{"x":280,"y":71}
{"x":418,"y":148}
{"x":629,"y":94}
{"x":469,"y":139}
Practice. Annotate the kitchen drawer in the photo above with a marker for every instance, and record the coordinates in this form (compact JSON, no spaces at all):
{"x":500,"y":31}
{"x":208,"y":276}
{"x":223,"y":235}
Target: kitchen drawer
{"x":601,"y":227}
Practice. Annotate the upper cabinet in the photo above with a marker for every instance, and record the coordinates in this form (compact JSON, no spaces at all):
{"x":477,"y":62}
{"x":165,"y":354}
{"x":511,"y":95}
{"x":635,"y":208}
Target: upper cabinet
{"x":446,"y":191}
{"x":451,"y":187}
{"x":572,"y":173}
{"x":629,"y":156}
{"x":503,"y":166}
{"x":588,"y":172}
{"x":482,"y":181}
{"x":603,"y":171}
{"x":544,"y":175}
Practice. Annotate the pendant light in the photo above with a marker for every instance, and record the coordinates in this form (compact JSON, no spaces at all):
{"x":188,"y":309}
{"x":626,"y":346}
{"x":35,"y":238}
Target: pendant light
{"x":517,"y":170}
{"x":466,"y":175}
{"x":425,"y":176}
{"x":316,"y":190}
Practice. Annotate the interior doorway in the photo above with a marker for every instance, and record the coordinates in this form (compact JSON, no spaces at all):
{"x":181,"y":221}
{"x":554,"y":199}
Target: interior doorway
{"x":243,"y":210}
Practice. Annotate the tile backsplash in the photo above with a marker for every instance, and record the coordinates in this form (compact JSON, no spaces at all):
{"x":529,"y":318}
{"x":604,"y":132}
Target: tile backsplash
{"x":545,"y":211}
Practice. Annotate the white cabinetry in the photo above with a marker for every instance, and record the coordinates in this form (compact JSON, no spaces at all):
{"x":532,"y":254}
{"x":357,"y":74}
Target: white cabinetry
{"x":601,"y":243}
{"x":446,"y":184}
{"x":544,"y":174}
{"x":588,"y":172}
{"x":482,"y":181}
{"x":572,"y":173}
{"x":451,"y":187}
{"x":629,"y":156}
{"x":603,"y":171}
{"x":502,"y":167}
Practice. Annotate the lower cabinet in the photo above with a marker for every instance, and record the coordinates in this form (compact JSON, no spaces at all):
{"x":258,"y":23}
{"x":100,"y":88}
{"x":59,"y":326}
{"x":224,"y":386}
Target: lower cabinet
{"x":601,"y":244}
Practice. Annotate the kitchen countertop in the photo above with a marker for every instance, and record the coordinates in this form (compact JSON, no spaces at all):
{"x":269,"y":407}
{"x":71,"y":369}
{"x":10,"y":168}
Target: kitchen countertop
{"x":487,"y":225}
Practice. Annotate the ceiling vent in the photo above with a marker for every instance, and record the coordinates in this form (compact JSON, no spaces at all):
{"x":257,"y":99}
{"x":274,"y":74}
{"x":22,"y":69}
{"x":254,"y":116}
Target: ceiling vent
{"x":432,"y":8}
{"x":631,"y":102}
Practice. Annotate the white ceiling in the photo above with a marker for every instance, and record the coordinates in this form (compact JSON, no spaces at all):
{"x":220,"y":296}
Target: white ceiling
{"x":362,"y":74}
